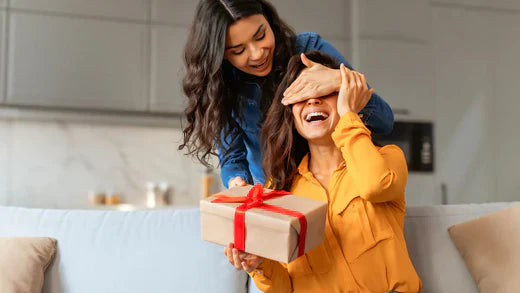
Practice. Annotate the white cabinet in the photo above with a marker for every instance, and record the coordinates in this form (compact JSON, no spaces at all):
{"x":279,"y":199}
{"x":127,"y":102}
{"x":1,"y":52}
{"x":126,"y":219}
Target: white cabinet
{"x":497,"y":4}
{"x":396,"y":19}
{"x":167,"y":69}
{"x":176,"y":12}
{"x":401,"y":73}
{"x":506,"y":106}
{"x":330,"y":18}
{"x":77,"y":62}
{"x":3,"y":32}
{"x":462,"y":41}
{"x":395,"y":53}
{"x":128,"y":9}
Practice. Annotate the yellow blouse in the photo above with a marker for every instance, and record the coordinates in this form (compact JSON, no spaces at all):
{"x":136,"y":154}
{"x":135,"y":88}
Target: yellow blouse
{"x":364,"y":248}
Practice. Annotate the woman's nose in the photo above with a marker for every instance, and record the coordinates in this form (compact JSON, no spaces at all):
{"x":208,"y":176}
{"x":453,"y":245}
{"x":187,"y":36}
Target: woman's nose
{"x":314,"y":101}
{"x":256,"y":53}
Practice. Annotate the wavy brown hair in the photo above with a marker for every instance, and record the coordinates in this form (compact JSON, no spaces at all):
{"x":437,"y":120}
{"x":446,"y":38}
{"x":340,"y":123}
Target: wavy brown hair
{"x":210,"y":82}
{"x":283,"y":147}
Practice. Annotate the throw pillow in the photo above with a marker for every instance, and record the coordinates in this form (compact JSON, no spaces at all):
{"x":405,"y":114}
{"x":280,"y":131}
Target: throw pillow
{"x":23,"y":262}
{"x":490,"y":247}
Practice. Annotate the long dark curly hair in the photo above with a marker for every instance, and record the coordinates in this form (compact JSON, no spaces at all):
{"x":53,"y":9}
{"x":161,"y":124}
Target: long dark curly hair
{"x":210,"y":84}
{"x":284,"y":148}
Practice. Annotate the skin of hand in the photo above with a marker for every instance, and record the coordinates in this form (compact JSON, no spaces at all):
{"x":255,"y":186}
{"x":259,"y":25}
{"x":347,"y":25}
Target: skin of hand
{"x":315,"y":81}
{"x":353,"y":93}
{"x":236,"y":181}
{"x":242,"y":260}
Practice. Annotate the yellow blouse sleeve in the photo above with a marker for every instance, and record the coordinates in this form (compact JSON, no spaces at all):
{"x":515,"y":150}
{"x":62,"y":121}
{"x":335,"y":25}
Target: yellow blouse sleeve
{"x":272,"y":276}
{"x":379,"y":174}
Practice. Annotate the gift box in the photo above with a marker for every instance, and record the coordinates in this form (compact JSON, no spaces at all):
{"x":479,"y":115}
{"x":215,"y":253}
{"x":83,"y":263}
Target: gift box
{"x":271,"y":224}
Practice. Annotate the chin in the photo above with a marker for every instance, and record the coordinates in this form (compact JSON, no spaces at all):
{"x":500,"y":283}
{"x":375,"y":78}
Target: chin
{"x":317,"y":137}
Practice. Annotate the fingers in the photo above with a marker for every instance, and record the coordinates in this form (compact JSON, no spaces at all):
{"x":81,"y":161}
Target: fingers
{"x":237,"y":262}
{"x":236,"y":181}
{"x":251,"y":262}
{"x":292,"y":86}
{"x":306,"y":60}
{"x":246,"y":267}
{"x":229,"y":253}
{"x":295,"y":87}
{"x":308,"y":92}
{"x":352,"y":80}
{"x":242,"y":260}
{"x":364,"y":81}
{"x":344,"y":76}
{"x":357,"y":77}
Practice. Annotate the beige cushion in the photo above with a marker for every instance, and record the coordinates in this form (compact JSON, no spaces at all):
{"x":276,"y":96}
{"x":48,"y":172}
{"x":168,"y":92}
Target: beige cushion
{"x":490,"y":247}
{"x":23,"y":262}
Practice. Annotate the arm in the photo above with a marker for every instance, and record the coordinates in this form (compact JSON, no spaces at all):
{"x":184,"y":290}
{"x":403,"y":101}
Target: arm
{"x":232,"y":157}
{"x":379,"y":174}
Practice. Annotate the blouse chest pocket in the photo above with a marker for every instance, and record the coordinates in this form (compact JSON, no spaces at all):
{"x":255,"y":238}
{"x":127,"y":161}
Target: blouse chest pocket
{"x":316,"y":261}
{"x":360,"y":228}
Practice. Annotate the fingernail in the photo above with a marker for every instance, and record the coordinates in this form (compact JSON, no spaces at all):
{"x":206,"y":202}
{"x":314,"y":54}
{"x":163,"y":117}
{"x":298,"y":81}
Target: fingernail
{"x":243,"y":264}
{"x":235,"y":251}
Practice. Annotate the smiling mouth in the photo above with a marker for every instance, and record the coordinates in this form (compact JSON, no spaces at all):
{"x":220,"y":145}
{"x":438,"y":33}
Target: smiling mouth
{"x":316,"y":116}
{"x":261,"y":64}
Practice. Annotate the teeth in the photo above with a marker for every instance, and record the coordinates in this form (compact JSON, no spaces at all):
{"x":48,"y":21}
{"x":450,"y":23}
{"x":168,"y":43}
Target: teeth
{"x":313,"y":114}
{"x":260,"y":63}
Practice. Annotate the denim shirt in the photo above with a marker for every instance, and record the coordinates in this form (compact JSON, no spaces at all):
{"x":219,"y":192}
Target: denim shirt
{"x":244,"y":157}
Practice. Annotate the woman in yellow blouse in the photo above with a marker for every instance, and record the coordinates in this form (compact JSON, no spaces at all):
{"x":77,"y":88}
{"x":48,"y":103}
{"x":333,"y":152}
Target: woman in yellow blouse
{"x":322,"y":150}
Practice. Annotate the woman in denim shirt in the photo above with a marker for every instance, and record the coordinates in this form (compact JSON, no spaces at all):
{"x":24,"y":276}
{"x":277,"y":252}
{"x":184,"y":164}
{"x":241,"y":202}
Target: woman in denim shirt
{"x":236,"y":55}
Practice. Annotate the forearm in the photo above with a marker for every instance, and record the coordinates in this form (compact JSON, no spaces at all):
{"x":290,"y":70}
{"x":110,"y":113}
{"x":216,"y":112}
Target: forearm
{"x":379,"y":174}
{"x":232,"y":155}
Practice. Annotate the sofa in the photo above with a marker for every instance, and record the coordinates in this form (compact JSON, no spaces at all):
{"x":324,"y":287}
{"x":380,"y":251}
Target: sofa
{"x":162,"y":251}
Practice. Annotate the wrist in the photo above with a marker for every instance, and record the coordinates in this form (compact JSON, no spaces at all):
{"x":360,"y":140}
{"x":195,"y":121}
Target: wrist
{"x":343,"y":111}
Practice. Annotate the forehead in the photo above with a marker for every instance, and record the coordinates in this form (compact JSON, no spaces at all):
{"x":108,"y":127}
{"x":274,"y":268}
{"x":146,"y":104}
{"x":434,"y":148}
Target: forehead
{"x":243,"y":29}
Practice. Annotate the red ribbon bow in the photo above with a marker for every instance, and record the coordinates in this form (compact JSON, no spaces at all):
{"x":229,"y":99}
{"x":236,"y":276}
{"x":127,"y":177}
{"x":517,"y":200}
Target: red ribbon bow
{"x":255,"y":199}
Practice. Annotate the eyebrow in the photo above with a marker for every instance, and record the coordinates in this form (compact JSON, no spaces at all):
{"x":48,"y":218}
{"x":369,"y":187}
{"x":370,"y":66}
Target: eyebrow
{"x":256,"y":33}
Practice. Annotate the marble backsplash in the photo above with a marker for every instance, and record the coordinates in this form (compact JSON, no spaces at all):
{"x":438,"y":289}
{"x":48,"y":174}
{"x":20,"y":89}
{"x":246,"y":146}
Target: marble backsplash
{"x":54,"y":164}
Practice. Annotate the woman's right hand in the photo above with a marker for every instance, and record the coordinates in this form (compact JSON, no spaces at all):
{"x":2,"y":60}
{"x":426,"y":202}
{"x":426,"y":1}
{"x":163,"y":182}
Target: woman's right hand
{"x":242,"y":260}
{"x":237,"y":181}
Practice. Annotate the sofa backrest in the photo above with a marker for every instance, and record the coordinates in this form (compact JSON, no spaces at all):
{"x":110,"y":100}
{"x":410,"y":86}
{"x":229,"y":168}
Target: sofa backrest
{"x":435,"y":257}
{"x":162,"y":251}
{"x":139,"y":251}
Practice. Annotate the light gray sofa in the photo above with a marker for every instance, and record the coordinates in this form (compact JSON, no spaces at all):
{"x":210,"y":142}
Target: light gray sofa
{"x":161,"y":250}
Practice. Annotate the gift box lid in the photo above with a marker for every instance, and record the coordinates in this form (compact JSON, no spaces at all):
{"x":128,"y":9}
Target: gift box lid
{"x":274,"y":220}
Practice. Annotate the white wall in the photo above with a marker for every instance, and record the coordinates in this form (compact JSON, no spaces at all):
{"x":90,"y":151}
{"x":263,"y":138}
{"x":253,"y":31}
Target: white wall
{"x":55,"y":164}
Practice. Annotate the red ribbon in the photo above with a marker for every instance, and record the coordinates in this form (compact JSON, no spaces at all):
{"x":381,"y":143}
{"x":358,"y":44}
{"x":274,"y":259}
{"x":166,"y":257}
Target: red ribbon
{"x":255,"y":199}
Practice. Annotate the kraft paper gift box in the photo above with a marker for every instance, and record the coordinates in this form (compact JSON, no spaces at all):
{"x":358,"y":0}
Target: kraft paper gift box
{"x":268,"y":231}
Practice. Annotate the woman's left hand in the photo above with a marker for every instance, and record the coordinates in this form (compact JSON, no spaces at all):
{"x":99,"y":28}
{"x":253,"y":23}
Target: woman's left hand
{"x":315,"y":81}
{"x":353,"y":94}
